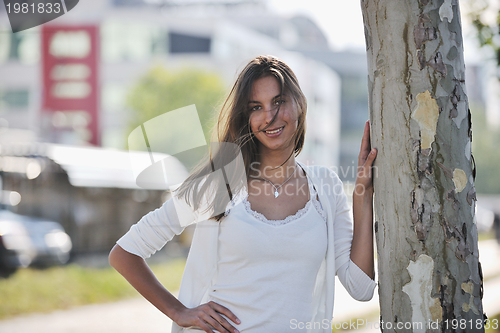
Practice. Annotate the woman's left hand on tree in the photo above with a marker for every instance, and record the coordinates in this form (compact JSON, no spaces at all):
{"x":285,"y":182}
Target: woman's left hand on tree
{"x":364,"y":178}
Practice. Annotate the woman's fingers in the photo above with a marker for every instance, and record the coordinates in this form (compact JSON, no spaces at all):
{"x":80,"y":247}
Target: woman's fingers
{"x":368,"y":162}
{"x":225,"y":311}
{"x":214,"y":318}
{"x":367,"y":166}
{"x":364,"y":177}
{"x":220,"y":323}
{"x":204,"y":326}
{"x":208,"y":316}
{"x":365,"y":143}
{"x":216,"y":321}
{"x":371,"y":157}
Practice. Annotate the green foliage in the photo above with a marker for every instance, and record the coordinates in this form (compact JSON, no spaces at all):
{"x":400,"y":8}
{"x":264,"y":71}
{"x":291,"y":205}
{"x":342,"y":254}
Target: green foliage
{"x":162,"y":90}
{"x":486,"y":153}
{"x":32,"y":290}
{"x":488,"y":35}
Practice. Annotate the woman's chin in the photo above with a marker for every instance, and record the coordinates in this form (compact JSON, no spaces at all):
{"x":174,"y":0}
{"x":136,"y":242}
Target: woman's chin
{"x":275,"y":147}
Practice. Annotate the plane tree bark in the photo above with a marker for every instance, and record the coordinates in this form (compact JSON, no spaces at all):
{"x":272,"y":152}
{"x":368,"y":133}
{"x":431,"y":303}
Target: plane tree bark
{"x":430,"y":277}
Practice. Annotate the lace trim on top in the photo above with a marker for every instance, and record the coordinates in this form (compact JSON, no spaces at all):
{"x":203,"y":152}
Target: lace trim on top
{"x":319,"y":208}
{"x":289,"y":218}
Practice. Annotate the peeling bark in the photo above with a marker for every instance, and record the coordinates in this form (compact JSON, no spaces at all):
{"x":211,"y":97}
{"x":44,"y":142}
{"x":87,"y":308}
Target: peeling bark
{"x":426,"y":114}
{"x":424,"y":193}
{"x":459,"y":179}
{"x":419,"y":290}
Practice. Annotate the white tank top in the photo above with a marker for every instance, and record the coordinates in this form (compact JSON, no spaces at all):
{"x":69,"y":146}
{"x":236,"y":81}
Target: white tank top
{"x":267,"y":269}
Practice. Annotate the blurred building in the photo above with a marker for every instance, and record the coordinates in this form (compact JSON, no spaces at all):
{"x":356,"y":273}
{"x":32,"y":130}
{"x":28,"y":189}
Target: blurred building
{"x":219,"y":36}
{"x":353,"y":72}
{"x":83,"y":188}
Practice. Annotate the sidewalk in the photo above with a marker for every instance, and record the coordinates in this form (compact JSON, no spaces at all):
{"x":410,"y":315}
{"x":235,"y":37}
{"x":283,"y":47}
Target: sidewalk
{"x":491,"y":306}
{"x":489,"y":256}
{"x":130,"y":316}
{"x":137,"y":315}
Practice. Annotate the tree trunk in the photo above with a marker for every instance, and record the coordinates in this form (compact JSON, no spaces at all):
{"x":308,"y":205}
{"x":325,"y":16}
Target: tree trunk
{"x":430,"y":278}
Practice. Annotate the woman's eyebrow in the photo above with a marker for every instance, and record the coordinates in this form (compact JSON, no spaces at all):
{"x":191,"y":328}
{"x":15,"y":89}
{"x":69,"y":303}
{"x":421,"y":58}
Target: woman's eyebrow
{"x":257,"y":102}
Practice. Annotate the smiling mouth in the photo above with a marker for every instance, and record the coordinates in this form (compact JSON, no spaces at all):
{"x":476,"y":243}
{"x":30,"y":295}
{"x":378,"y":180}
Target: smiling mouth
{"x":274,"y":131}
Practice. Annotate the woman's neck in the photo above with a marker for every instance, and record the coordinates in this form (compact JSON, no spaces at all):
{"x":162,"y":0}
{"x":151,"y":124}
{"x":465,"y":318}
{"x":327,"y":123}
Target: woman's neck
{"x":271,"y":167}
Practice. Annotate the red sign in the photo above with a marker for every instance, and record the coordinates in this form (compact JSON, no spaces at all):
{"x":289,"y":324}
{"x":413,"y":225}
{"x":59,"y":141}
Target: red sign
{"x":70,"y":79}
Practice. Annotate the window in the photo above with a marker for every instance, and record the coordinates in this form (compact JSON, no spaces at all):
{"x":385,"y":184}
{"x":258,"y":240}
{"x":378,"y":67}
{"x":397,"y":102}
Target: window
{"x":128,"y":3}
{"x":123,"y":41}
{"x":14,"y":99}
{"x":183,"y":43}
{"x":23,"y":46}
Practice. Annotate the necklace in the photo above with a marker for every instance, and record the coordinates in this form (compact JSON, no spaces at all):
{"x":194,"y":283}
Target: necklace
{"x":276,"y":188}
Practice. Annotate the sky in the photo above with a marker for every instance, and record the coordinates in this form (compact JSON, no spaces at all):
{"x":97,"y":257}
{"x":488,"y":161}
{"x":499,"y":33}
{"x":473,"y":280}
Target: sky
{"x":342,"y":22}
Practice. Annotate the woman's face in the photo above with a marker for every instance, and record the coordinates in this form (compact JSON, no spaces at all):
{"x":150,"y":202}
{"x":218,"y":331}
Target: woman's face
{"x":265,"y":99}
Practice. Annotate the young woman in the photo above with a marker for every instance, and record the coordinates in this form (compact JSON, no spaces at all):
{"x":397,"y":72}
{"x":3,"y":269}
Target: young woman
{"x":267,"y":263}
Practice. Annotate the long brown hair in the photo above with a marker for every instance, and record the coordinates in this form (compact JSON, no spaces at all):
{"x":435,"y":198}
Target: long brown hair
{"x":233,"y":126}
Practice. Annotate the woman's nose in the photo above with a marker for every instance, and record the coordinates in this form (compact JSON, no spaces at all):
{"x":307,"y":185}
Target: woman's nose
{"x":270,"y":111}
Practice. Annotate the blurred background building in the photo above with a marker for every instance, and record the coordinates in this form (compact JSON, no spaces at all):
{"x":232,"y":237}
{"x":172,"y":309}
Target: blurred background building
{"x":219,"y":36}
{"x":67,"y":82}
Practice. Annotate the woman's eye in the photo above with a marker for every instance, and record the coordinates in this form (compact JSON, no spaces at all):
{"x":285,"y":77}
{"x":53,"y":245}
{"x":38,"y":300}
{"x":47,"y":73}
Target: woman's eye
{"x":255,"y":108}
{"x":279,"y":101}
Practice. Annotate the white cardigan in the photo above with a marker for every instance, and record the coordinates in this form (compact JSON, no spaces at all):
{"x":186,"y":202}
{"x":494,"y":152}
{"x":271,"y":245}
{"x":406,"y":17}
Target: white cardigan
{"x":156,"y":228}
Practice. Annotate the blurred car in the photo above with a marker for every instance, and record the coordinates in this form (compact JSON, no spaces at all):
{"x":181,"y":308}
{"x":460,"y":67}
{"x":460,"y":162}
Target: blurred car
{"x":26,"y":241}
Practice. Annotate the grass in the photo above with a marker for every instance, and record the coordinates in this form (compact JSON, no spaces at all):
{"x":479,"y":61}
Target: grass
{"x":494,"y":325}
{"x":486,"y":235}
{"x":365,"y":322}
{"x":33,"y":290}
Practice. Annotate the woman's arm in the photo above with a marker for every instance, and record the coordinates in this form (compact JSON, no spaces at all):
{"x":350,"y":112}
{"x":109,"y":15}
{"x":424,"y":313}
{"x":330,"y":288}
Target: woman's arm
{"x":135,"y":270}
{"x":139,"y":275}
{"x":362,"y":242}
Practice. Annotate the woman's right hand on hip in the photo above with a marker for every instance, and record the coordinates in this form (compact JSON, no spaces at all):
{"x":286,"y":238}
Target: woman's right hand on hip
{"x":207,"y":317}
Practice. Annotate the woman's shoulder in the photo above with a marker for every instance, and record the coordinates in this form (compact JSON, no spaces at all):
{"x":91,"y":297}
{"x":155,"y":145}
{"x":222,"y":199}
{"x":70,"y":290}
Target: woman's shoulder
{"x":326,"y":182}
